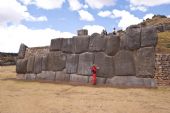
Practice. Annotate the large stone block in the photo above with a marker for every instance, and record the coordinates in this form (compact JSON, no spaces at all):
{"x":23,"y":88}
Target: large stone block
{"x":131,"y":39}
{"x":105,"y":64}
{"x":56,"y":44}
{"x":85,"y":62}
{"x":56,"y":61}
{"x":112,"y":45}
{"x":79,"y":78}
{"x":20,"y":76}
{"x":149,"y":36}
{"x":46,"y":75}
{"x":99,"y":80}
{"x":30,"y":76}
{"x":124,"y":63}
{"x":97,"y":43}
{"x":68,"y":45}
{"x":82,"y":32}
{"x":131,"y":81}
{"x":30,"y":64}
{"x":44,"y":63}
{"x":167,"y":27}
{"x":81,"y":44}
{"x":22,"y":49}
{"x":38,"y":64}
{"x":145,"y":62}
{"x":62,"y":76}
{"x":21,"y":66}
{"x":72,"y":63}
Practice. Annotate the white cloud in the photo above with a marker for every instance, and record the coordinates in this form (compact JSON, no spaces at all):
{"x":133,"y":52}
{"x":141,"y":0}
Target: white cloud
{"x":98,"y":4}
{"x":149,"y":2}
{"x":150,"y":15}
{"x":93,"y":29}
{"x":141,"y":8}
{"x":12,"y":36}
{"x":75,"y":5}
{"x":85,"y":15}
{"x":105,"y":13}
{"x":12,"y":11}
{"x":45,"y":4}
{"x":126,"y":18}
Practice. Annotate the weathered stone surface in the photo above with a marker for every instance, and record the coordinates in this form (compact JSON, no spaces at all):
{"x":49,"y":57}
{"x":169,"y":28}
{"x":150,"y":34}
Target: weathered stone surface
{"x":30,"y":76}
{"x":30,"y":64}
{"x":131,"y":39}
{"x":46,"y":75}
{"x":82,"y":32}
{"x":81,"y":44}
{"x":99,"y":80}
{"x":85,"y":62}
{"x":68,"y":45}
{"x":22,"y":49}
{"x":97,"y":43}
{"x":44,"y":63}
{"x":21,"y":66}
{"x":131,"y":81}
{"x":145,"y":62}
{"x":72,"y":63}
{"x":38,"y":64}
{"x":62,"y":76}
{"x":56,"y":44}
{"x":124,"y":63}
{"x":105,"y":64}
{"x":160,"y":28}
{"x":56,"y":61}
{"x":167,"y":27}
{"x":20,"y":76}
{"x":112,"y":45}
{"x":79,"y":78}
{"x":149,"y":36}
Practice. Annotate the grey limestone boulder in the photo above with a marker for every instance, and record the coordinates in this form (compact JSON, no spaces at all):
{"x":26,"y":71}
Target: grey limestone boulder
{"x":105,"y":64}
{"x":72,"y":63}
{"x":30,"y":64}
{"x":112,"y":45}
{"x":56,"y":44}
{"x":20,"y":76}
{"x":46,"y":75}
{"x":97,"y":43}
{"x":30,"y":76}
{"x":22,"y":49}
{"x":85,"y":62}
{"x":21,"y":66}
{"x":81,"y":44}
{"x":145,"y":62}
{"x":62,"y":76}
{"x":79,"y":78}
{"x":44,"y":63}
{"x":149,"y":36}
{"x":124,"y":63}
{"x":82,"y":32}
{"x":131,"y":81}
{"x":68,"y":45}
{"x":56,"y":61}
{"x":38,"y":64}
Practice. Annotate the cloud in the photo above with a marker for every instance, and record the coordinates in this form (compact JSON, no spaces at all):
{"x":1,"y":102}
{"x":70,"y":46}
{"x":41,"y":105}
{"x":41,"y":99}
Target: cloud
{"x":75,"y":5}
{"x":93,"y":29}
{"x":98,"y":4}
{"x":13,"y":12}
{"x":126,"y":18}
{"x":44,"y":4}
{"x":85,"y":15}
{"x":141,"y":8}
{"x":150,"y":15}
{"x":105,"y":13}
{"x":12,"y":36}
{"x":149,"y":2}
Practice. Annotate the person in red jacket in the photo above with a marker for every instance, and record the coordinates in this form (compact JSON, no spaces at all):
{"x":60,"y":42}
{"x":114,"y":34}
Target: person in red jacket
{"x":94,"y":71}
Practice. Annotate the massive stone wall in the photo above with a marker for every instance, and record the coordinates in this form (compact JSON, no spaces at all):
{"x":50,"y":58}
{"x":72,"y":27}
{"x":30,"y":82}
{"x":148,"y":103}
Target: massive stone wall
{"x":125,"y":61}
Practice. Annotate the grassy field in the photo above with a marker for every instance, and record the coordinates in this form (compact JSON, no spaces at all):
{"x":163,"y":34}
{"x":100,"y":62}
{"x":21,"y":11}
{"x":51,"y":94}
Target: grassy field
{"x":35,"y":97}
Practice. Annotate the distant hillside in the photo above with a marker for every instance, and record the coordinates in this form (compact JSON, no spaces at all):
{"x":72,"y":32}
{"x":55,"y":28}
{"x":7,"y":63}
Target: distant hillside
{"x":8,"y":58}
{"x":162,"y":23}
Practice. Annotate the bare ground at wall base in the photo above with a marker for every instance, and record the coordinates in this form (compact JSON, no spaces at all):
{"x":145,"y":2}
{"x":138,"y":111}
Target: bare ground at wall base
{"x":36,"y":97}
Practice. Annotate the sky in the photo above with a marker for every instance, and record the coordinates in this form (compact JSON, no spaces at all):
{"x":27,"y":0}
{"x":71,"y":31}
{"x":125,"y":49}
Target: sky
{"x":36,"y":22}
